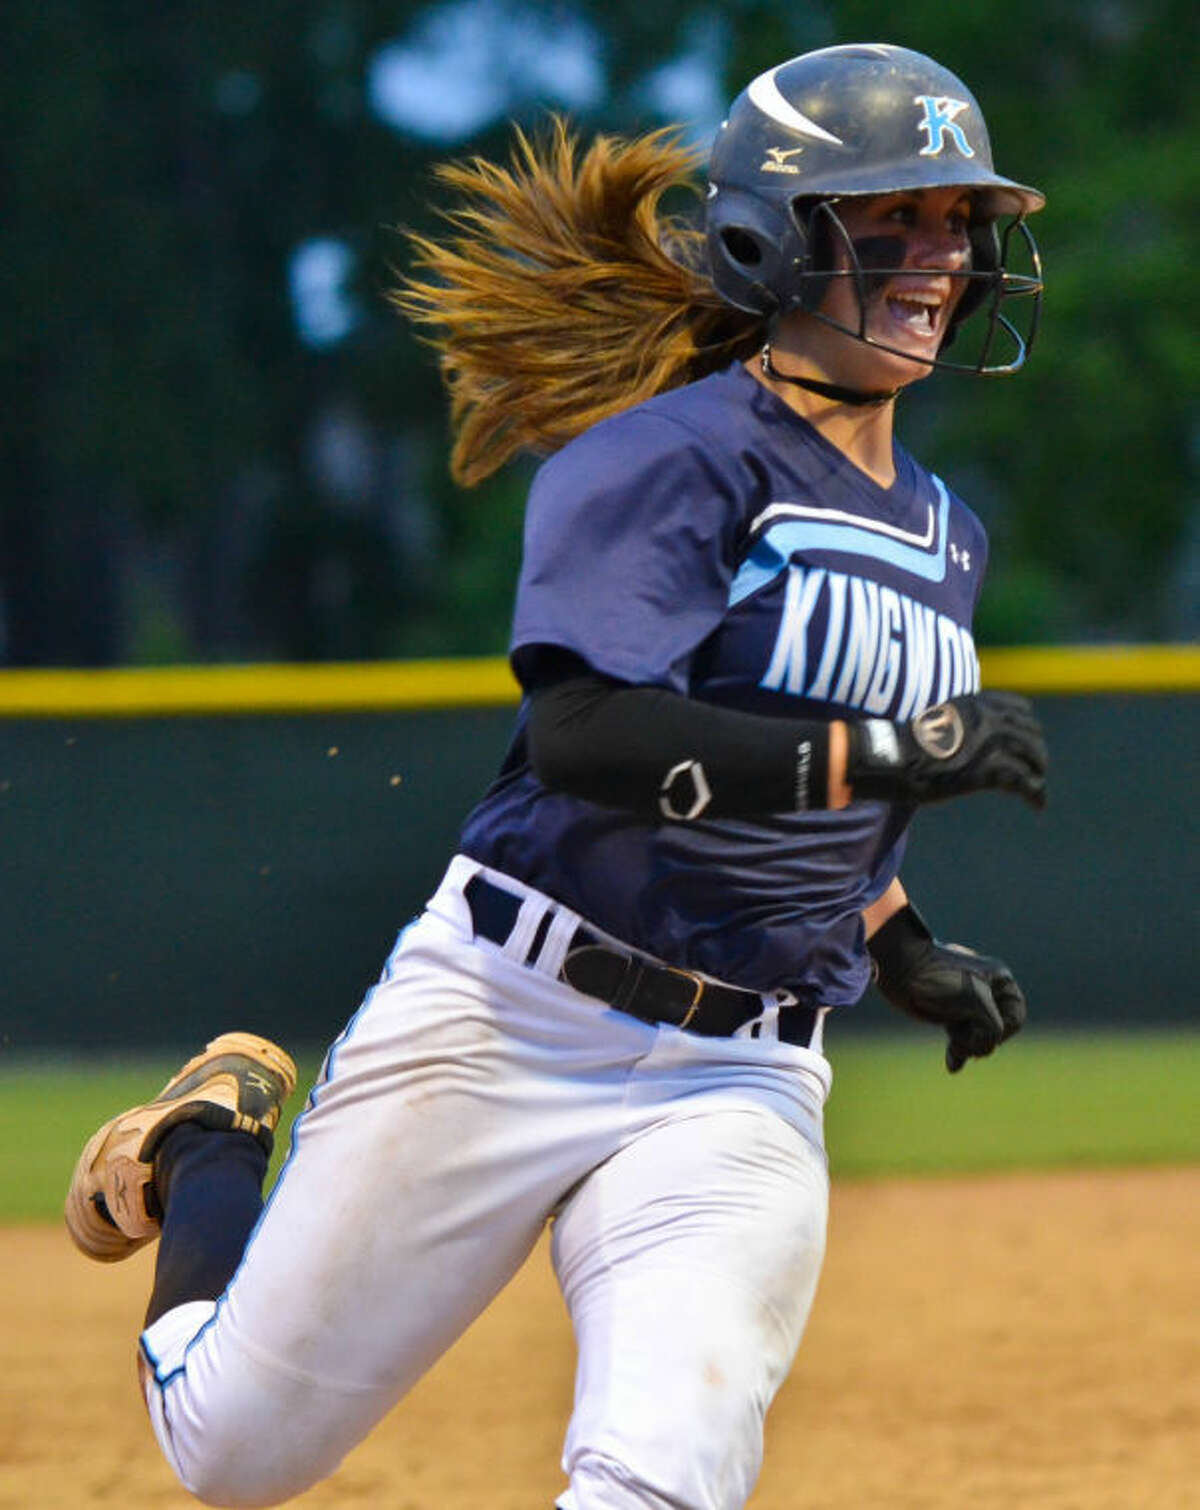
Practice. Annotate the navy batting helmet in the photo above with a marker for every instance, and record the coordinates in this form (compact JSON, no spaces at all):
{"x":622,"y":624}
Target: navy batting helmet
{"x":858,"y":120}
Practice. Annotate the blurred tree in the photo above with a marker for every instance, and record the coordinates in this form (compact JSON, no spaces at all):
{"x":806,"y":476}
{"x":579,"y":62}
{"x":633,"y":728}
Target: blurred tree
{"x":165,"y":163}
{"x":217,"y":443}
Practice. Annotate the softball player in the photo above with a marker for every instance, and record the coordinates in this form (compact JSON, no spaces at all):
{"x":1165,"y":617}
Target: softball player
{"x":743,"y":631}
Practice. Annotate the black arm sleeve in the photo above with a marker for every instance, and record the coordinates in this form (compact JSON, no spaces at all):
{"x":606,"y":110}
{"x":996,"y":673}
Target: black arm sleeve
{"x":652,"y":752}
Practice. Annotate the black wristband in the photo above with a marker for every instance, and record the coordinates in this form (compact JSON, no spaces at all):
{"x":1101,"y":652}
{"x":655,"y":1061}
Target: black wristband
{"x":897,"y":946}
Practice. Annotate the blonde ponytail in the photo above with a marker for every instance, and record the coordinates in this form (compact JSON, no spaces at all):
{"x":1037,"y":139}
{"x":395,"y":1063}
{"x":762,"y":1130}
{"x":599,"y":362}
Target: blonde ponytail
{"x":562,"y":295}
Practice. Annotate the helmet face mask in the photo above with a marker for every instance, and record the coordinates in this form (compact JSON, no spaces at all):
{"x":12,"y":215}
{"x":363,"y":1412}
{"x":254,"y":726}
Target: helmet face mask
{"x":852,"y":122}
{"x":872,"y":262}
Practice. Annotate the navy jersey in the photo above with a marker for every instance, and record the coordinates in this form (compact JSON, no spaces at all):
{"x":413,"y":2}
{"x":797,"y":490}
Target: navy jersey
{"x":713,"y":542}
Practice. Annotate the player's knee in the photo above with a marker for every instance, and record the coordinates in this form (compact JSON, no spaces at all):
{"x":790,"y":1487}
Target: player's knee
{"x":237,"y":1433}
{"x":672,"y":1460}
{"x":234,"y":1459}
{"x":599,"y":1480}
{"x":697,"y":1442}
{"x":242,"y":1485}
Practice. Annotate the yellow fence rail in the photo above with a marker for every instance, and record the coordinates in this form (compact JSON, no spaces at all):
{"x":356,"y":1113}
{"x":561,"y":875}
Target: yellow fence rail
{"x":383,"y":686}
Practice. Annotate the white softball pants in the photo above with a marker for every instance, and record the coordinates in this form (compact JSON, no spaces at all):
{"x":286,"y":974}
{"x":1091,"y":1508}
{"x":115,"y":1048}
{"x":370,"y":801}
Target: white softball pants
{"x":471,"y":1100}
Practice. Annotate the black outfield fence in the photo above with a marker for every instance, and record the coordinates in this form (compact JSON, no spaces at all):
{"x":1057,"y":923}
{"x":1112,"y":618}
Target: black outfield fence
{"x":183,"y":852}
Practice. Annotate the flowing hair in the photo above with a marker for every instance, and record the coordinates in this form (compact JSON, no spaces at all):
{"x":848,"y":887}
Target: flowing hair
{"x":560,"y":294}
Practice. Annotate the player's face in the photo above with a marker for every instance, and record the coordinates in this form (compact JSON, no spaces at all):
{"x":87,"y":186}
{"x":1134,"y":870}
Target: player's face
{"x":910,"y":243}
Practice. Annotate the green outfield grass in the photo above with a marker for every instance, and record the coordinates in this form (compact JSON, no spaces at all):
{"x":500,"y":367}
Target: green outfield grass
{"x":1046,"y":1101}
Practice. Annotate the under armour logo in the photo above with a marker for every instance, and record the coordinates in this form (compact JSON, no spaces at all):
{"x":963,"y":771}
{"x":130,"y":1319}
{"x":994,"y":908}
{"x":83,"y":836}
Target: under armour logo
{"x":939,"y":123}
{"x":960,"y":556}
{"x":939,"y":731}
{"x":776,"y":160}
{"x":258,"y":1082}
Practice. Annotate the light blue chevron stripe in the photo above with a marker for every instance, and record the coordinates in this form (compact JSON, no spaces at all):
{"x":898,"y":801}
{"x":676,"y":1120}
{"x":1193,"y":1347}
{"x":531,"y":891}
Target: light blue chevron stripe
{"x":790,"y":537}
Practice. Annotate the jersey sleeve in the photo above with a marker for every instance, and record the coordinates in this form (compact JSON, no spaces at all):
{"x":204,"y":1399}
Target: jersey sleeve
{"x":629,"y":547}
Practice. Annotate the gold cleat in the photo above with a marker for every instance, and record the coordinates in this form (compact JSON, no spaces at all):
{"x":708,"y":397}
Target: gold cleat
{"x":238,"y":1084}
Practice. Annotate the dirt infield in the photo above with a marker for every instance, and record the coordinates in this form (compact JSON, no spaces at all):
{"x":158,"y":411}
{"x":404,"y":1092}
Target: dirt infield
{"x":1004,"y":1343}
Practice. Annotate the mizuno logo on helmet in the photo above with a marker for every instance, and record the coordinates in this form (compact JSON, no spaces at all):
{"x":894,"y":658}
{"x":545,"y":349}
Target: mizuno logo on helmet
{"x":938,"y":123}
{"x":776,"y":160}
{"x":764,"y":92}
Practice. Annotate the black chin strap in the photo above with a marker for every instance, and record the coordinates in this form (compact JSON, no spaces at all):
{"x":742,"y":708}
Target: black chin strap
{"x":834,"y":391}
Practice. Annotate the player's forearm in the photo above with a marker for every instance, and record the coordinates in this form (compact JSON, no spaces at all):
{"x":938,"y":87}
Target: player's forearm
{"x":652,"y":752}
{"x":884,"y":907}
{"x":658,"y":754}
{"x":838,"y":791}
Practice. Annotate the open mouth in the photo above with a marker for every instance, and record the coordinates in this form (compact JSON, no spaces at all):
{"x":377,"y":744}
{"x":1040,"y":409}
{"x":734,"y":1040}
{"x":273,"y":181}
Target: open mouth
{"x":916,"y":312}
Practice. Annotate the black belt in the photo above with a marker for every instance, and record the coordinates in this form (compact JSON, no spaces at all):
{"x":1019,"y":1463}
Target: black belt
{"x":654,"y":993}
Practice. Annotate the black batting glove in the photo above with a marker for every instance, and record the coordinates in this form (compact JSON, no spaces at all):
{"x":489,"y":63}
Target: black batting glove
{"x":972,"y":996}
{"x":985,"y":741}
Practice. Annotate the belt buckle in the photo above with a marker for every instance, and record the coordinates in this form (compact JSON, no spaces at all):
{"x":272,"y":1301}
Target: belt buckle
{"x":700,"y":985}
